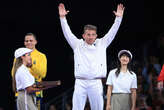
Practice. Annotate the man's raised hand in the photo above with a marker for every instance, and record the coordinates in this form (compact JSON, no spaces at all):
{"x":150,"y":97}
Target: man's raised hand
{"x":62,"y":10}
{"x":120,"y":10}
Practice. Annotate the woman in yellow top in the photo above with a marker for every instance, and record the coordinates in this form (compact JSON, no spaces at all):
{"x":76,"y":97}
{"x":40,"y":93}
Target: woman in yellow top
{"x":39,"y":64}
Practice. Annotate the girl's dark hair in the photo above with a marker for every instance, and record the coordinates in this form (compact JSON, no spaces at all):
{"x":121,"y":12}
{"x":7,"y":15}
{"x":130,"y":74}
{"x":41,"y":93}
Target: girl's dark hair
{"x":119,"y":65}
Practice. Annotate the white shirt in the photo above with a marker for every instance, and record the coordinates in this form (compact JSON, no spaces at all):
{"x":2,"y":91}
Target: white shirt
{"x":23,"y":78}
{"x":90,"y":60}
{"x":123,"y":83}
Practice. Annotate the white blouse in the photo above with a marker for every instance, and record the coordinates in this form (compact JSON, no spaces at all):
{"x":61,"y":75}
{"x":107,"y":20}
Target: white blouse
{"x":23,"y":78}
{"x":123,"y":83}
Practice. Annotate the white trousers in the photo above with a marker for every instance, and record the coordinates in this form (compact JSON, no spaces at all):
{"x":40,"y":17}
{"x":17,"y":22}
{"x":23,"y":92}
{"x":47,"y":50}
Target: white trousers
{"x":92,"y":89}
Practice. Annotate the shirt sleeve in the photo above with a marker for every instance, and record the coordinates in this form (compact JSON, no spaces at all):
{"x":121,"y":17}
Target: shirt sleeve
{"x":108,"y":38}
{"x":109,"y":79}
{"x":70,"y":37}
{"x":134,"y":81}
{"x":161,"y":75}
{"x":39,"y":67}
{"x":12,"y":70}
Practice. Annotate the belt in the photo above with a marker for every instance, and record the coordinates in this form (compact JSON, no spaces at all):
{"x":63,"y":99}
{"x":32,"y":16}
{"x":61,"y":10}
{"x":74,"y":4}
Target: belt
{"x":20,"y":90}
{"x":89,"y":79}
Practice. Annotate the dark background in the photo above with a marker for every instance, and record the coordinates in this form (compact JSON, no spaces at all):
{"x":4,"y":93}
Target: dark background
{"x":142,"y":21}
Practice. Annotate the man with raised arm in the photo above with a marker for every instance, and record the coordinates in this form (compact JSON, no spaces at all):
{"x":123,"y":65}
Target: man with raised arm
{"x":90,"y":60}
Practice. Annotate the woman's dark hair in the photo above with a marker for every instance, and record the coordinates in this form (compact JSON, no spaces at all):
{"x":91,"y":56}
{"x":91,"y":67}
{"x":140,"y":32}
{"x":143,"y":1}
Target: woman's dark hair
{"x":119,"y":64}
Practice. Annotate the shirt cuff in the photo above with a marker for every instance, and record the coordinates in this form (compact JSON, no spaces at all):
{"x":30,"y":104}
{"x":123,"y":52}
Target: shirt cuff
{"x":118,"y":19}
{"x":63,"y":19}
